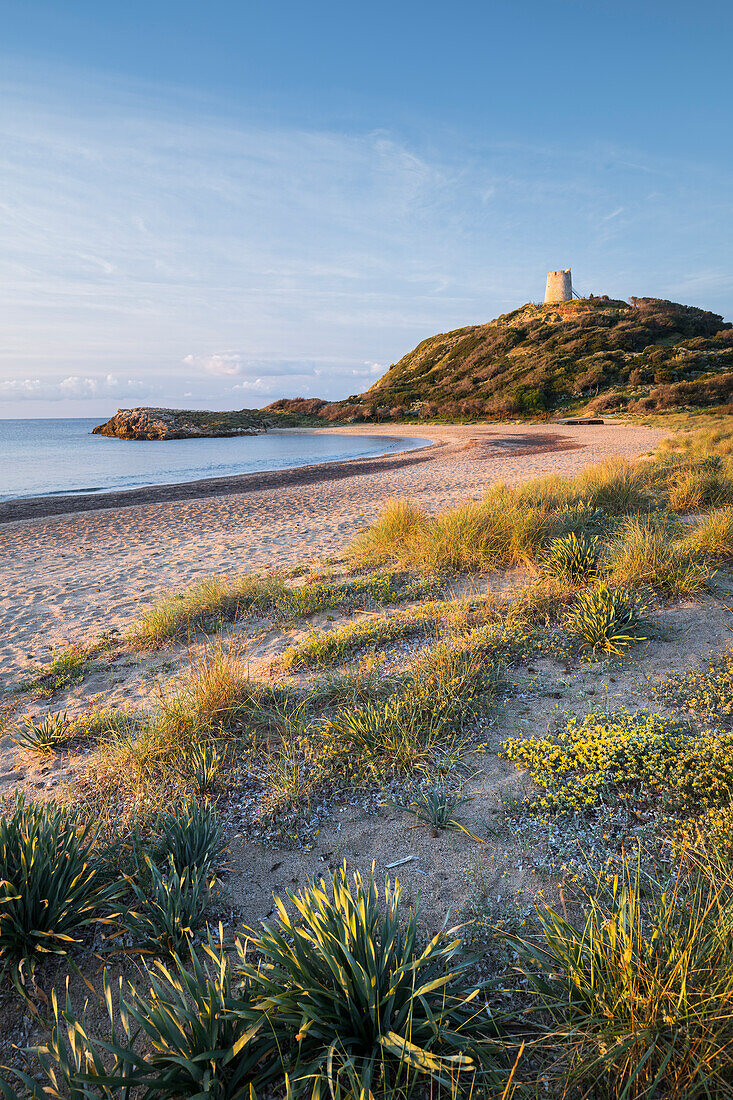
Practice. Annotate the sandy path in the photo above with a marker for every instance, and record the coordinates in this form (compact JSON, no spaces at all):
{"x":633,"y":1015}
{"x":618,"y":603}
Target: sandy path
{"x":66,"y":577}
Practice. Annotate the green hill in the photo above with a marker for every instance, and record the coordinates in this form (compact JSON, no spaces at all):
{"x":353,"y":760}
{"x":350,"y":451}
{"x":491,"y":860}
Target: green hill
{"x":596,"y":353}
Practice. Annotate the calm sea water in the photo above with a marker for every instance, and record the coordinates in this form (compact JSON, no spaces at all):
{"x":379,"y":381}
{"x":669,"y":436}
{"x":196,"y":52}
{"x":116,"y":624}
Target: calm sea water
{"x":39,"y":457}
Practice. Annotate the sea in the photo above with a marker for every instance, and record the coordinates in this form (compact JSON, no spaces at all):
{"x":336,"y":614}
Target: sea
{"x":49,"y":457}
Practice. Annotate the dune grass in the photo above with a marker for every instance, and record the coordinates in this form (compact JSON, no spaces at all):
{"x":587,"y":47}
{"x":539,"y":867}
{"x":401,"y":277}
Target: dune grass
{"x":334,"y":646}
{"x":216,"y":601}
{"x":66,"y":670}
{"x":640,"y":990}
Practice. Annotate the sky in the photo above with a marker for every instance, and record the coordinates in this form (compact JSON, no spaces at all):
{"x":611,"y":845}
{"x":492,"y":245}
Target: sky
{"x":213,"y":205}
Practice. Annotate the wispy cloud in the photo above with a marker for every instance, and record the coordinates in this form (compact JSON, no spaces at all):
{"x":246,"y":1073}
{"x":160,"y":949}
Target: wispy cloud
{"x":148,"y":241}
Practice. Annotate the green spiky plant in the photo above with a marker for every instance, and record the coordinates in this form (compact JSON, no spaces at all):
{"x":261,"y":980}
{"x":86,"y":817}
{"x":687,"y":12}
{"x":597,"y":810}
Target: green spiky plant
{"x":436,"y":807}
{"x":354,"y":1000}
{"x":605,"y":620}
{"x":203,"y":760}
{"x":572,"y":556}
{"x":186,"y":1040}
{"x":192,"y":836}
{"x":168,"y":907}
{"x":50,"y":884}
{"x":44,"y":736}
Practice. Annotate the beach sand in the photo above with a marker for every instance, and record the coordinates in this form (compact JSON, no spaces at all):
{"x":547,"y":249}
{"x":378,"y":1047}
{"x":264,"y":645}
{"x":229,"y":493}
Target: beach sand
{"x":71,"y":568}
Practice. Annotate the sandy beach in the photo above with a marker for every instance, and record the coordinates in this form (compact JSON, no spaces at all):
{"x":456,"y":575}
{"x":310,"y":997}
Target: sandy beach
{"x":69,"y":574}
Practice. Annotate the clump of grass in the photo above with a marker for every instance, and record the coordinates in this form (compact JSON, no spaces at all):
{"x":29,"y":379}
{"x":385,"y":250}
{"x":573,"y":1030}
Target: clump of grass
{"x":220,"y":600}
{"x":712,"y":535}
{"x":641,"y":991}
{"x":573,"y":556}
{"x":511,"y":525}
{"x":66,"y":670}
{"x":694,"y":487}
{"x":367,"y":1000}
{"x":205,"y":608}
{"x":42,"y":737}
{"x":455,"y":683}
{"x":640,"y":761}
{"x":705,"y":690}
{"x":50,"y":884}
{"x":334,"y":646}
{"x":648,"y":552}
{"x":396,"y":737}
{"x":605,"y":620}
{"x":357,"y":683}
{"x":395,"y":535}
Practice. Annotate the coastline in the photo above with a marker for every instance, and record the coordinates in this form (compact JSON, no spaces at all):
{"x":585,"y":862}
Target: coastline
{"x":65,"y":501}
{"x":69,"y":571}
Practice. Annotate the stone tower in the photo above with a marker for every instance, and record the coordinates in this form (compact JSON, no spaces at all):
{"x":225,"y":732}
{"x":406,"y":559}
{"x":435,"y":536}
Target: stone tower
{"x":559,"y":286}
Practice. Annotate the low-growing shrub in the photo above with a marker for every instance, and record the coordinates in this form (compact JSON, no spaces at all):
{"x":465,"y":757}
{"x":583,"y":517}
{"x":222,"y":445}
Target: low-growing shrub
{"x":638,"y":760}
{"x":706,"y":690}
{"x":605,"y":620}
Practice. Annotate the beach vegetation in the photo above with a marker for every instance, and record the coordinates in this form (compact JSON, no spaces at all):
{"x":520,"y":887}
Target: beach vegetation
{"x":712,"y":535}
{"x":166,"y":907}
{"x":637,"y":760}
{"x":51,"y":886}
{"x":191,"y":836}
{"x":43,"y":736}
{"x":66,"y":670}
{"x":706,"y":690}
{"x":436,"y":806}
{"x":573,"y":556}
{"x":639,"y":990}
{"x":648,"y":552}
{"x":605,"y":620}
{"x":216,"y":601}
{"x":337,"y":645}
{"x":371,"y":1003}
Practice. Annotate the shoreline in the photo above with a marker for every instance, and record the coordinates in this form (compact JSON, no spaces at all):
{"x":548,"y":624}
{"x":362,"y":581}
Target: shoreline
{"x":65,"y":502}
{"x":41,"y":507}
{"x":70,"y":569}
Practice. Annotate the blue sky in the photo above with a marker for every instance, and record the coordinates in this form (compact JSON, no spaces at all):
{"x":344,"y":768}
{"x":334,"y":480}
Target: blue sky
{"x":217,"y":204}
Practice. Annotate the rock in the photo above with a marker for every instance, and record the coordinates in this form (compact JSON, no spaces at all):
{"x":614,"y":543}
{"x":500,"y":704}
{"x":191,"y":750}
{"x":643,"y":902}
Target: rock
{"x":148,"y":423}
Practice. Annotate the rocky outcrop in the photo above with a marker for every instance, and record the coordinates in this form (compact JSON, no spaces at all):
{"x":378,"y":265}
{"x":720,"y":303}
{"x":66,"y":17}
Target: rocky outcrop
{"x":148,"y":423}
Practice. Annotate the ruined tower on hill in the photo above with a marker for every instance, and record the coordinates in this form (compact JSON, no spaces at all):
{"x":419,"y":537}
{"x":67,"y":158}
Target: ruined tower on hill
{"x":559,"y":286}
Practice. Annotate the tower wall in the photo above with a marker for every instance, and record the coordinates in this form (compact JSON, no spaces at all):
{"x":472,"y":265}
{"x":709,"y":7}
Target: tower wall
{"x":559,"y":286}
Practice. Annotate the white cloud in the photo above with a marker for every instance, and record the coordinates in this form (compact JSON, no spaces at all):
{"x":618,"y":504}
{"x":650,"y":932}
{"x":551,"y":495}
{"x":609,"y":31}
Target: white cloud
{"x":220,"y":363}
{"x":74,"y":386}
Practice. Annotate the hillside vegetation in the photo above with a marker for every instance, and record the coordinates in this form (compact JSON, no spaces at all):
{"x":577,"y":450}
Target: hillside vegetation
{"x":645,"y":355}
